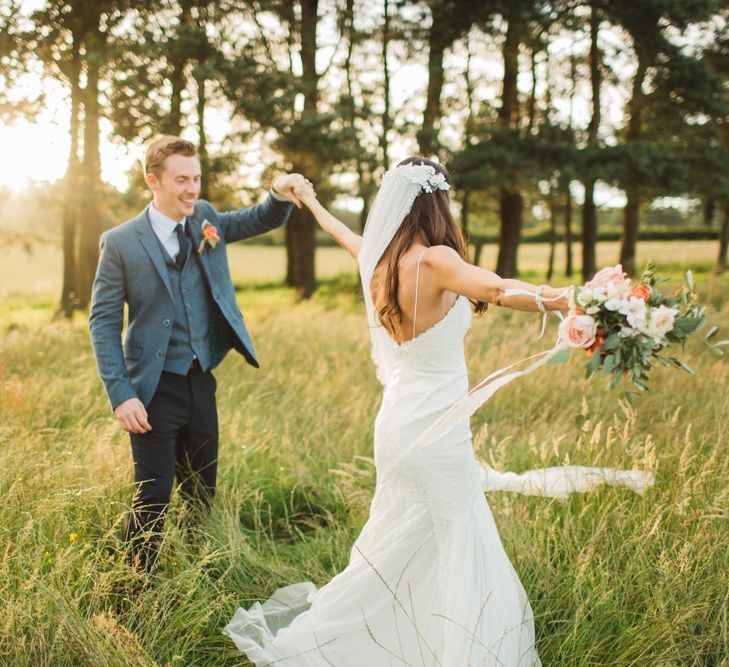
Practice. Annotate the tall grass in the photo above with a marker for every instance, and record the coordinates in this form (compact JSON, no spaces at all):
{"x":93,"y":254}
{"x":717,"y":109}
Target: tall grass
{"x":613,"y":578}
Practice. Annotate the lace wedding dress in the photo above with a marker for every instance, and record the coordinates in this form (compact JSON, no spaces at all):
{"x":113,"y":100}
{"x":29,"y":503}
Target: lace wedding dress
{"x":428,"y":581}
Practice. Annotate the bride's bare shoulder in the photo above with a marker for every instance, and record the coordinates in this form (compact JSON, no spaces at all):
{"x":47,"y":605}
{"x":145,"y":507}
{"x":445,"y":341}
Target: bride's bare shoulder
{"x":442,"y":257}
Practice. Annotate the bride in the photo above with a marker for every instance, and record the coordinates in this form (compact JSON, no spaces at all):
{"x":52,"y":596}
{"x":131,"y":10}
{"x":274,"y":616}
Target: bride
{"x":428,"y":581}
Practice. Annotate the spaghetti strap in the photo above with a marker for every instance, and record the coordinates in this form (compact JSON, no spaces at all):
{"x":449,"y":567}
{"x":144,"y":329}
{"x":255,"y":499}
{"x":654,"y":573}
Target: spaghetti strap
{"x":417,"y":281}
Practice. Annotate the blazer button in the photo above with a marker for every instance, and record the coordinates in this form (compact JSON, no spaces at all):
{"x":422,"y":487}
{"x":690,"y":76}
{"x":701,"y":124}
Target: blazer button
{"x":166,"y":323}
{"x":159,"y":354}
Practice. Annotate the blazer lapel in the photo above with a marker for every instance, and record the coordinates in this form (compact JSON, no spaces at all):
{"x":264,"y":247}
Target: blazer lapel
{"x":151,"y":245}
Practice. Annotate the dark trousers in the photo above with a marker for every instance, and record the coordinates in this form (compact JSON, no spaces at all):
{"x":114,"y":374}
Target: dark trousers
{"x":183,"y":443}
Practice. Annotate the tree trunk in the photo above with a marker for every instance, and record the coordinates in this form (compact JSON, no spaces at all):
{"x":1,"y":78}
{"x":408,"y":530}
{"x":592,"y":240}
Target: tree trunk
{"x":511,"y":209}
{"x":202,"y":149}
{"x":466,"y":198}
{"x":509,"y":99}
{"x":589,"y":232}
{"x":178,"y":62}
{"x":300,"y":250}
{"x":364,"y":213}
{"x":568,"y":229}
{"x":465,"y":212}
{"x":70,"y":216}
{"x":708,"y":212}
{"x":364,"y":176}
{"x":552,"y":237}
{"x":90,"y":215}
{"x":300,"y":230}
{"x":629,"y":238}
{"x":631,"y":217}
{"x":511,"y":203}
{"x":589,"y":211}
{"x":723,"y":242}
{"x":532,"y":104}
{"x":386,"y":120}
{"x":428,"y":134}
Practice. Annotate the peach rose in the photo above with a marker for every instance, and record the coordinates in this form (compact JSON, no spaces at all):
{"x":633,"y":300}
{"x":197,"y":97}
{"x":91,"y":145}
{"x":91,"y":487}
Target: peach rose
{"x":610,"y":276}
{"x":578,"y":330}
{"x":641,"y":291}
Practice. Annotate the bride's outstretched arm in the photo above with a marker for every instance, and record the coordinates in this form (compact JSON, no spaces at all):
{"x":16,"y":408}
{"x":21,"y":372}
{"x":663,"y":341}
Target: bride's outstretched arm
{"x":452,"y":273}
{"x":334,"y":227}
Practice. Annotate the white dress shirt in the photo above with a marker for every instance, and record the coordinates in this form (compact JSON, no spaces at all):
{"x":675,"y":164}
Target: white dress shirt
{"x":164,"y":227}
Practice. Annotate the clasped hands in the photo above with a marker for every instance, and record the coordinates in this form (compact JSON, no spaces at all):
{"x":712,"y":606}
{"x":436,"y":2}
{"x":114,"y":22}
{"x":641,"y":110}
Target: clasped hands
{"x":295,"y":187}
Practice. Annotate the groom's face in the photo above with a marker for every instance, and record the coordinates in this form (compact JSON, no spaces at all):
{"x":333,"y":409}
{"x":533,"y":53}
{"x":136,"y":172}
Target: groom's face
{"x":178,"y":186}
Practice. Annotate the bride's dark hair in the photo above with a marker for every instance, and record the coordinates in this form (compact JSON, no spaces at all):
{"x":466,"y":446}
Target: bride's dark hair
{"x":429,"y":218}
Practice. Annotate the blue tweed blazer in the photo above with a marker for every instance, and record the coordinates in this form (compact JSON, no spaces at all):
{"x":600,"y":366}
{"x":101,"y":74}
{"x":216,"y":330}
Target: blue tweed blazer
{"x":132,"y":270}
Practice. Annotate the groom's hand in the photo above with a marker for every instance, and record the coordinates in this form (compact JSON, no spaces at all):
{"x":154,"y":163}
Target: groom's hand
{"x":132,"y":416}
{"x":285,"y":184}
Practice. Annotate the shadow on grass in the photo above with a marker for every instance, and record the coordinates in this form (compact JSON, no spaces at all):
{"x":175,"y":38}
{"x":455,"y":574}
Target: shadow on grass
{"x":284,"y":511}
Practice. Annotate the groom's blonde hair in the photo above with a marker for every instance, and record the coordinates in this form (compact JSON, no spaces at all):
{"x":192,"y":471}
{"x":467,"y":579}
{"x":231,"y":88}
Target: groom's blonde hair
{"x":161,"y":147}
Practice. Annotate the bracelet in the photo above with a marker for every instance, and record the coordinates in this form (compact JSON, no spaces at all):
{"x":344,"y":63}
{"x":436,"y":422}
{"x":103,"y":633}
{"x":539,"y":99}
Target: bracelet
{"x":538,"y":299}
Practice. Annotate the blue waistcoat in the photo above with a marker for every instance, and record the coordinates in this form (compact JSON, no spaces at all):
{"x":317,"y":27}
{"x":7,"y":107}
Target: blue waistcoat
{"x":190,"y":323}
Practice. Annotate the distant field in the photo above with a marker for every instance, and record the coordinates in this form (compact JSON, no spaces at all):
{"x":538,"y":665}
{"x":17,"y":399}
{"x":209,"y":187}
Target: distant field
{"x":40,"y":272}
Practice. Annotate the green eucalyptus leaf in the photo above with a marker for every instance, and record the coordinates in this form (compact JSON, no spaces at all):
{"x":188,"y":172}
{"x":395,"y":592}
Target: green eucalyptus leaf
{"x":611,"y":342}
{"x":594,"y":363}
{"x":559,"y":358}
{"x":608,"y":364}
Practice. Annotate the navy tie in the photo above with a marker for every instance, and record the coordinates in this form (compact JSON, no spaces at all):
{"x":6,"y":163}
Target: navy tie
{"x":184,"y":244}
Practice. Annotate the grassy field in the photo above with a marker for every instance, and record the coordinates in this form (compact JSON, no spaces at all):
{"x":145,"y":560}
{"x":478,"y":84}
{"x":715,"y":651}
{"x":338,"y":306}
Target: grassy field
{"x":613,"y":578}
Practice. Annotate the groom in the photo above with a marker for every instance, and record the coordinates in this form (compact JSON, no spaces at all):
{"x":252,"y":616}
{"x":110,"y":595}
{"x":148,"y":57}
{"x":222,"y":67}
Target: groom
{"x":169,"y":265}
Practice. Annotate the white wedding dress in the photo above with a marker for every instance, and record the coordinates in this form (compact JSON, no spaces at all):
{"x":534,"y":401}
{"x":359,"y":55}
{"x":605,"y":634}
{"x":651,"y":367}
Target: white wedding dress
{"x":428,"y":581}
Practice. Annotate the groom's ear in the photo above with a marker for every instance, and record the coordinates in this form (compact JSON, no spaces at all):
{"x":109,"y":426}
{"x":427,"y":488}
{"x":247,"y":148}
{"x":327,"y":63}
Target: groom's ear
{"x":152,"y":181}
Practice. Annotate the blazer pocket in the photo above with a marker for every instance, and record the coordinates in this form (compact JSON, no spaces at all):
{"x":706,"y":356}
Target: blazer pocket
{"x":132,"y":352}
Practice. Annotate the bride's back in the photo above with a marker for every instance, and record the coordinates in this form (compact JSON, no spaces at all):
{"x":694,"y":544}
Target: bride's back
{"x":433,"y":303}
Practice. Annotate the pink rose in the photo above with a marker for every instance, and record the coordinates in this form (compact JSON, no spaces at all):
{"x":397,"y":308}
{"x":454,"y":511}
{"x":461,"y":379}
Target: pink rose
{"x":578,"y":330}
{"x":610,"y":275}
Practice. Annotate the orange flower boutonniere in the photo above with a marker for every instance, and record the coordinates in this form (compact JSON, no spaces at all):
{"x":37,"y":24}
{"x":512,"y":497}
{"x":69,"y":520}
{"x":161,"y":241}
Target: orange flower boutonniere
{"x":209,"y":236}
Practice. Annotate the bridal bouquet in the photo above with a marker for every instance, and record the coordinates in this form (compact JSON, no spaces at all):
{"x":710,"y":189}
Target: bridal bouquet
{"x":625,"y":328}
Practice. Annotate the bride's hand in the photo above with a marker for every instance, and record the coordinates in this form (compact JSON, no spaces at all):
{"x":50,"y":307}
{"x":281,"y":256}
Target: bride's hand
{"x":561,"y":297}
{"x":286,"y":184}
{"x":305,"y":194}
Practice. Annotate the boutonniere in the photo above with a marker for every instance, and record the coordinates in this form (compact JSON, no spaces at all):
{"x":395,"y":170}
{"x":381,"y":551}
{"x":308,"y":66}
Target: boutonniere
{"x":209,"y":236}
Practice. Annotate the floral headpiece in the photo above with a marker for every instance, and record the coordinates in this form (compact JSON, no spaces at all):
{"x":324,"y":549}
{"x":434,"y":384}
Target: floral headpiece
{"x":423,"y":175}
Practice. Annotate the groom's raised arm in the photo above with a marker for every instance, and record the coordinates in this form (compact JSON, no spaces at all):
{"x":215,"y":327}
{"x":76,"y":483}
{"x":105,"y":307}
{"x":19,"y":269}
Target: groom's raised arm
{"x":258,"y":219}
{"x":272,"y":213}
{"x":105,"y":324}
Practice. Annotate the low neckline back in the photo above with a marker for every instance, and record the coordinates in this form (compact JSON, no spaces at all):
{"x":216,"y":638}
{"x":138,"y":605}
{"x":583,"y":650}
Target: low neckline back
{"x":435,"y":325}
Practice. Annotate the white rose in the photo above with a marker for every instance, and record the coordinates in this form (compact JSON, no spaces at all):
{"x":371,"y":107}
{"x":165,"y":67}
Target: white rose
{"x":614,"y":304}
{"x":587,"y":295}
{"x":660,"y":322}
{"x":635,"y":311}
{"x":618,"y":290}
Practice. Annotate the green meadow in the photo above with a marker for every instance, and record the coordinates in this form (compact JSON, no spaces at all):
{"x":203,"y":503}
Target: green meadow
{"x":614,"y":578}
